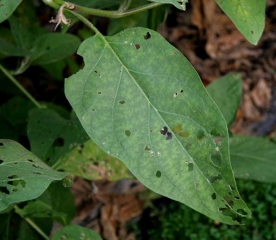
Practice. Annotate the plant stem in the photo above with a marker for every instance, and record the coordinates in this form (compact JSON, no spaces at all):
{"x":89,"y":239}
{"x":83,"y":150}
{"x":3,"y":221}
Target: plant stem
{"x":33,"y":225}
{"x":114,"y":14}
{"x":9,"y":76}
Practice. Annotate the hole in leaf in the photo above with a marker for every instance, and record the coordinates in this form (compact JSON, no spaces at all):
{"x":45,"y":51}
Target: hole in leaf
{"x":59,"y":142}
{"x":137,"y":46}
{"x":4,"y":190}
{"x":1,"y":144}
{"x":214,"y":196}
{"x":147,"y":148}
{"x":190,"y":167}
{"x":242,"y":212}
{"x":229,"y":202}
{"x":95,"y":71}
{"x":158,"y":174}
{"x":147,"y":36}
{"x":212,"y":179}
{"x":164,"y":130}
{"x":232,"y":188}
{"x":169,"y":136}
{"x":181,"y":90}
{"x":252,"y":32}
{"x":36,"y":166}
{"x":122,"y":102}
{"x":99,"y":92}
{"x":216,"y":158}
{"x":236,"y":197}
{"x":1,"y":161}
{"x":30,"y":160}
{"x":200,"y":135}
{"x":93,"y":109}
{"x":127,"y":133}
{"x":175,"y":94}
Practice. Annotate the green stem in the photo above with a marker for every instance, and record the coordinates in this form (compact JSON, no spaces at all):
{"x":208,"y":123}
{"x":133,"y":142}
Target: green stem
{"x":114,"y":14}
{"x":9,"y":76}
{"x":33,"y":225}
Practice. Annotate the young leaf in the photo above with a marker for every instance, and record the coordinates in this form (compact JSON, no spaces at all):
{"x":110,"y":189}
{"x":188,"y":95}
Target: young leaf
{"x":180,"y":4}
{"x":253,"y":158}
{"x":247,"y":15}
{"x":51,"y":136}
{"x":140,"y":100}
{"x":226,"y":92}
{"x":23,"y":176}
{"x":76,"y":232}
{"x":7,"y":7}
{"x":53,"y":47}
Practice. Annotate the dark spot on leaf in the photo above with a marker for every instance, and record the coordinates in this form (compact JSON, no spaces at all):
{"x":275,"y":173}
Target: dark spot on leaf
{"x":14,"y":189}
{"x":147,"y":148}
{"x":252,"y":32}
{"x":127,"y":133}
{"x":151,"y":130}
{"x":214,"y":196}
{"x":1,"y":161}
{"x":232,"y":188}
{"x":93,"y":109}
{"x":147,"y":36}
{"x":175,"y":94}
{"x":181,"y":91}
{"x":122,"y":102}
{"x":99,"y":92}
{"x":177,"y":128}
{"x":237,"y":198}
{"x":4,"y":190}
{"x":158,"y":174}
{"x":48,"y":48}
{"x":200,"y":135}
{"x":59,"y":142}
{"x":1,"y":144}
{"x":164,"y":130}
{"x":95,"y":71}
{"x":15,"y":163}
{"x":169,"y":136}
{"x":36,"y":166}
{"x":190,"y":167}
{"x":174,"y":53}
{"x":137,"y":46}
{"x":30,"y":160}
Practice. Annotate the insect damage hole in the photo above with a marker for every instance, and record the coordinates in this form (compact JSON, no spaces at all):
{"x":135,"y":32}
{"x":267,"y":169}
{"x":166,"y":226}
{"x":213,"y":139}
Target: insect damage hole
{"x":158,"y":174}
{"x":127,"y":133}
{"x":122,"y":102}
{"x":137,"y":46}
{"x":147,"y":36}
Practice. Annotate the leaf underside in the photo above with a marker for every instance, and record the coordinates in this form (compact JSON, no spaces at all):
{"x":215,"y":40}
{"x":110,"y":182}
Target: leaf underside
{"x":141,"y":101}
{"x":23,"y":176}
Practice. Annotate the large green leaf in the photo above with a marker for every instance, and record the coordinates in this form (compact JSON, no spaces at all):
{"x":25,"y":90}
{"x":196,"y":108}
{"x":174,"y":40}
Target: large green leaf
{"x":180,"y":4}
{"x":141,"y":101}
{"x":76,"y":232}
{"x":51,"y":136}
{"x":253,"y":158}
{"x":247,"y":15}
{"x":23,"y":176}
{"x":226,"y":92}
{"x":7,"y":7}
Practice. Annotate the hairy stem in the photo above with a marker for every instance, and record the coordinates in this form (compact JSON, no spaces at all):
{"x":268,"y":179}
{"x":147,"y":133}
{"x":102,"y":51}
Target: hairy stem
{"x":34,"y":226}
{"x":114,"y":14}
{"x":23,"y":90}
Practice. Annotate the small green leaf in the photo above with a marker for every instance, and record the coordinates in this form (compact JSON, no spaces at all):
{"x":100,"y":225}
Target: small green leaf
{"x":180,"y":4}
{"x":53,"y":47}
{"x":7,"y":7}
{"x":253,"y":158}
{"x":226,"y":92}
{"x":90,"y":162}
{"x":56,"y":202}
{"x":51,"y":136}
{"x":247,"y":15}
{"x":140,"y":100}
{"x":23,"y":176}
{"x":76,"y":232}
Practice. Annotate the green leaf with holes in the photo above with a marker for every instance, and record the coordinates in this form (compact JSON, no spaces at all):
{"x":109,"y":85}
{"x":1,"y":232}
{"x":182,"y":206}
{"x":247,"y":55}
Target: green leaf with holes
{"x":247,"y":15}
{"x":7,"y":7}
{"x":251,"y":162}
{"x":23,"y":176}
{"x":76,"y":232}
{"x":226,"y":92}
{"x":90,"y":162}
{"x":52,"y":136}
{"x":180,"y":4}
{"x":140,"y":100}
